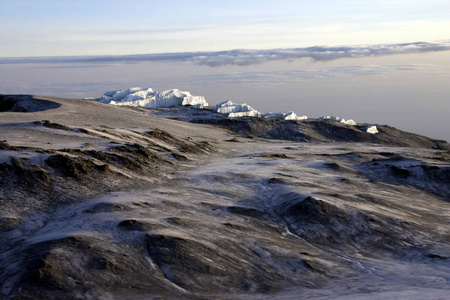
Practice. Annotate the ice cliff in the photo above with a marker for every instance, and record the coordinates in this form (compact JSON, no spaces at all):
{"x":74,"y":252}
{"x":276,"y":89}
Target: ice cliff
{"x":148,"y":98}
{"x":236,"y":110}
{"x":245,"y":110}
{"x":341,"y":120}
{"x":289,"y":115}
{"x":371,"y":129}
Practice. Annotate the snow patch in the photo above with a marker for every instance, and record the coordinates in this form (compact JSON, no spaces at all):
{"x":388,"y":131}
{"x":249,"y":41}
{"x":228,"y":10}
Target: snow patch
{"x":236,"y":110}
{"x":288,"y":115}
{"x":371,"y":129}
{"x":348,"y":122}
{"x":198,"y":106}
{"x":341,"y":120}
{"x":148,"y":98}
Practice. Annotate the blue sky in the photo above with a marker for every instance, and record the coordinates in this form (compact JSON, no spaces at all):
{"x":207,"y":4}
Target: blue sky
{"x":63,"y":28}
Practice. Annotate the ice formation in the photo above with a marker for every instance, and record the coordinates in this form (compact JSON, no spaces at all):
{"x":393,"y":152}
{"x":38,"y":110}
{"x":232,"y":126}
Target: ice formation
{"x":348,"y":122}
{"x":341,"y":120}
{"x":148,"y":98}
{"x":236,"y":110}
{"x":371,"y":129}
{"x":137,"y":96}
{"x":289,"y":115}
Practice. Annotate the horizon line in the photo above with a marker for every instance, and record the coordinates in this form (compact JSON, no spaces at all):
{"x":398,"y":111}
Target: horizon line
{"x":243,"y":56}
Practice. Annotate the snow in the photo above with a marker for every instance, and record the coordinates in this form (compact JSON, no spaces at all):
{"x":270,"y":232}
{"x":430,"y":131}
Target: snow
{"x":148,"y":98}
{"x":236,"y":110}
{"x":371,"y":129}
{"x":251,"y":113}
{"x":198,"y":106}
{"x":348,"y":122}
{"x":288,"y":115}
{"x":341,"y":120}
{"x":239,"y":174}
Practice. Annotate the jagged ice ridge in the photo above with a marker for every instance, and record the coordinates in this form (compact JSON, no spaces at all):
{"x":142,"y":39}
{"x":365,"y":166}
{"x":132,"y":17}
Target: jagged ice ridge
{"x":146,"y":97}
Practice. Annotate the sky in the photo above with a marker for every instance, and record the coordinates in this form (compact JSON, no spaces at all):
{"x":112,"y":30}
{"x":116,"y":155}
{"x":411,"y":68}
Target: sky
{"x":386,"y":62}
{"x":112,"y":27}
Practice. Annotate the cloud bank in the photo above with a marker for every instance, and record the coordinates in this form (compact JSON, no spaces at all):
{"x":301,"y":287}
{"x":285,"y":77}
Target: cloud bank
{"x":271,"y":78}
{"x":242,"y":57}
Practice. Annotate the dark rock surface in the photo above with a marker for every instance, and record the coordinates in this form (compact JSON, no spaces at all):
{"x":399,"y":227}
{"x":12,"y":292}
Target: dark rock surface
{"x":104,"y":202}
{"x":25,"y":103}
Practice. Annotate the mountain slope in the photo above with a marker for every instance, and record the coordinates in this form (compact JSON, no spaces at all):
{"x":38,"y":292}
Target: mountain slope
{"x":105,"y":202}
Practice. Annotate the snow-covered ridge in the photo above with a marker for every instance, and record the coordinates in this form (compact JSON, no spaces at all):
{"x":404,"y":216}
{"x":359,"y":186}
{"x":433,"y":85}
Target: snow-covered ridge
{"x":146,"y":97}
{"x":341,"y":120}
{"x":236,"y":110}
{"x":287,"y":115}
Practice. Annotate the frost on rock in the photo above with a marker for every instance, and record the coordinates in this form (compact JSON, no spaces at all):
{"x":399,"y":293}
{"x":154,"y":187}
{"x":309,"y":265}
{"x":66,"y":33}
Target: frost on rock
{"x":341,"y":120}
{"x":148,"y":98}
{"x":371,"y":129}
{"x":236,"y":110}
{"x":289,"y":115}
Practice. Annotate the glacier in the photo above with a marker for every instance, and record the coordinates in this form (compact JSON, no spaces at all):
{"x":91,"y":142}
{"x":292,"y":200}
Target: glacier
{"x":236,"y":110}
{"x":340,"y":120}
{"x":146,"y":97}
{"x":287,"y":115}
{"x":371,"y":129}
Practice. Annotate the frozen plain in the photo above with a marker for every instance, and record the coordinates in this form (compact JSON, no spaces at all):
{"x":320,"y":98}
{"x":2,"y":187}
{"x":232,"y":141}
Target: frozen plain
{"x":107,"y":202}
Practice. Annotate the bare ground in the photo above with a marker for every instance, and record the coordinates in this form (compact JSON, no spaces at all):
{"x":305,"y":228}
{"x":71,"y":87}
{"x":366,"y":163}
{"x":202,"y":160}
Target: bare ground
{"x":102,"y":202}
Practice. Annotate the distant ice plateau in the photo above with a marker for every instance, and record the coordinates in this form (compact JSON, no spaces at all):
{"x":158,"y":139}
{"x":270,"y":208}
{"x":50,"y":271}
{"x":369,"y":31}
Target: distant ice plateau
{"x":146,"y":97}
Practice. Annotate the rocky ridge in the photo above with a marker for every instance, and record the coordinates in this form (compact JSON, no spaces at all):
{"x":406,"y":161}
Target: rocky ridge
{"x":106,"y":202}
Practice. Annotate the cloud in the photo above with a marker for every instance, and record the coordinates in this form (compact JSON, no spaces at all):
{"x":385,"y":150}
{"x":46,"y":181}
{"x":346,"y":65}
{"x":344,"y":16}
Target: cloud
{"x":242,"y":57}
{"x":294,"y":75}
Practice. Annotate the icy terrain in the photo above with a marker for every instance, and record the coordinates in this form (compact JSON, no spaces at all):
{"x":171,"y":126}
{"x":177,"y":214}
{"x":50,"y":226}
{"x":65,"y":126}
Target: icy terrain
{"x":146,"y":97}
{"x":139,"y":97}
{"x":236,"y":110}
{"x":113,"y":202}
{"x":289,"y":115}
